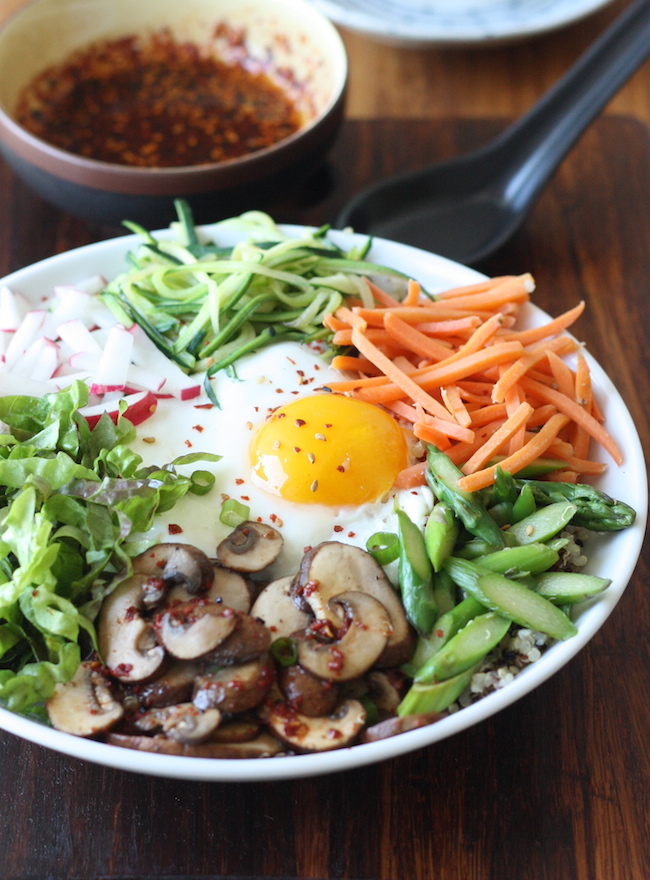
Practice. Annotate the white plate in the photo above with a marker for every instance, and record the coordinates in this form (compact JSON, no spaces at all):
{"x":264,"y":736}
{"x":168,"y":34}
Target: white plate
{"x":420,"y":23}
{"x":614,"y":556}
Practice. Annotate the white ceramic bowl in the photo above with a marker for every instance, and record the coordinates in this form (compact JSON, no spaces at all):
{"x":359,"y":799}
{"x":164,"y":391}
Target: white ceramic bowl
{"x":287,"y":35}
{"x":612,"y":556}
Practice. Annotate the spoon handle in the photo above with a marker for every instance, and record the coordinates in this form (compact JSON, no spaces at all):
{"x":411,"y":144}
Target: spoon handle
{"x":532,"y":148}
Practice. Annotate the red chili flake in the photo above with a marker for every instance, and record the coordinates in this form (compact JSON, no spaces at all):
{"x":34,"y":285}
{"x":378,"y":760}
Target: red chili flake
{"x":299,"y":423}
{"x":340,"y":468}
{"x":351,"y":534}
{"x":199,"y":428}
{"x":188,"y":444}
{"x":440,"y":633}
{"x":307,"y":548}
{"x":203,"y":406}
{"x":131,"y":613}
{"x":245,"y":497}
{"x":174,"y":529}
{"x":333,"y":733}
{"x":279,"y":391}
{"x":281,"y":415}
{"x":164,"y":104}
{"x":296,"y":448}
{"x":337,"y":661}
{"x":122,"y":669}
{"x":338,"y":528}
{"x":328,"y":424}
{"x":239,"y":481}
{"x":300,"y":372}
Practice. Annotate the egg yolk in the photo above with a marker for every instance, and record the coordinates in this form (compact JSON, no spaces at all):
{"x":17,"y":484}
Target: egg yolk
{"x":328,"y":449}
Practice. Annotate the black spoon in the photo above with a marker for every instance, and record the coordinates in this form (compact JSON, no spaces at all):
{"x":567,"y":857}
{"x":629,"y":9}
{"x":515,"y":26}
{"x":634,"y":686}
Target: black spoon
{"x":468,"y":207}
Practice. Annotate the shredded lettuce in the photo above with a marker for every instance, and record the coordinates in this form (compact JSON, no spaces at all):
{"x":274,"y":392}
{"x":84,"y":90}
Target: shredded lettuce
{"x":71,"y":497}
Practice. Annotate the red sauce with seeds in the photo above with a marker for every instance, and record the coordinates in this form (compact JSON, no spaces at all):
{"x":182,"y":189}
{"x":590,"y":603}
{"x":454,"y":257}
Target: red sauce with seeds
{"x":155,"y":103}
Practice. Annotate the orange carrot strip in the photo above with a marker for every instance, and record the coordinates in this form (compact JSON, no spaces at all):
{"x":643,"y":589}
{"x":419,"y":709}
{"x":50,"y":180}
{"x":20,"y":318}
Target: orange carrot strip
{"x":432,"y":311}
{"x":479,"y":338}
{"x":412,"y":297}
{"x":410,"y":338}
{"x":450,"y":327}
{"x":479,"y":287}
{"x":513,"y":401}
{"x":541,"y":415}
{"x":442,"y":426}
{"x":585,"y":465}
{"x":516,"y":289}
{"x":404,"y":410}
{"x":380,"y":296}
{"x":333,"y":323}
{"x":432,"y":377}
{"x":565,"y":405}
{"x":485,"y":414}
{"x":564,"y":378}
{"x":507,"y":430}
{"x":525,"y":363}
{"x":411,"y":476}
{"x":535,"y":447}
{"x":431,"y":435}
{"x":461,"y":452}
{"x":403,"y":383}
{"x":584,"y":398}
{"x":551,"y":328}
{"x":349,"y":363}
{"x":344,"y":337}
{"x":454,"y":403}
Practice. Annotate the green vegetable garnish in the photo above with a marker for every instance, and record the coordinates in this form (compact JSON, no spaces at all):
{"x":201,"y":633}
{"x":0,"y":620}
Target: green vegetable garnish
{"x":74,"y":504}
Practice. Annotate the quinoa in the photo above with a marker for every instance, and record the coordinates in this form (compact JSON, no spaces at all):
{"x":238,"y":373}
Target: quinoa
{"x":521,"y":646}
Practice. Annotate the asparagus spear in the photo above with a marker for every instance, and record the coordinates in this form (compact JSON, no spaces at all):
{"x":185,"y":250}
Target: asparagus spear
{"x":442,"y":475}
{"x":594,"y":509}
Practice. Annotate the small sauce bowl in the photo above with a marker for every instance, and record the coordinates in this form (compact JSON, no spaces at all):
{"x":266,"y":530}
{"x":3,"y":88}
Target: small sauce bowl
{"x":282,"y":46}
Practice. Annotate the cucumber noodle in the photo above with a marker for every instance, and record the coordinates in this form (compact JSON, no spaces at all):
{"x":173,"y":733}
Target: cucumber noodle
{"x":204,"y":306}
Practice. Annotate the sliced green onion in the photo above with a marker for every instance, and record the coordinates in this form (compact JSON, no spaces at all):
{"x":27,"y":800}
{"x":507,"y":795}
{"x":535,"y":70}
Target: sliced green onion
{"x":233,"y":512}
{"x":285,"y":651}
{"x":202,"y":482}
{"x":384,"y":546}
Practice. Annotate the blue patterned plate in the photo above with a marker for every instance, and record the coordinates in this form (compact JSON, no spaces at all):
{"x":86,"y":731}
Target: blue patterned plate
{"x":454,"y":22}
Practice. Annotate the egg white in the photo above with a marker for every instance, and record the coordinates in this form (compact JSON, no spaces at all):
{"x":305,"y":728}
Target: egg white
{"x":264,"y":381}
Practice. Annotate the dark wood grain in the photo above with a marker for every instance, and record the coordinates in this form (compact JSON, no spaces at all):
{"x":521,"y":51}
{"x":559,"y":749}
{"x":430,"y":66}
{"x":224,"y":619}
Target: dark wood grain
{"x":556,"y":786}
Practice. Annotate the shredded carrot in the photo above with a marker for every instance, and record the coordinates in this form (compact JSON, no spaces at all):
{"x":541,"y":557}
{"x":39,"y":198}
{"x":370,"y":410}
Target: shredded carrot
{"x":533,"y":449}
{"x":463,"y":377}
{"x":498,"y":439}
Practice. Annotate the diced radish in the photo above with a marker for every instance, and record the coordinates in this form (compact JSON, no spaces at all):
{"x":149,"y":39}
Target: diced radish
{"x":26,"y":333}
{"x":70,"y":304}
{"x":22,"y":385}
{"x":144,"y":380}
{"x":39,"y":361}
{"x":78,"y":336}
{"x":99,"y":315}
{"x":84,"y":360}
{"x":13,"y":308}
{"x":146,"y":355}
{"x":140,"y":407}
{"x":113,"y":365}
{"x":47,"y":361}
{"x":62,"y":380}
{"x":93,"y":284}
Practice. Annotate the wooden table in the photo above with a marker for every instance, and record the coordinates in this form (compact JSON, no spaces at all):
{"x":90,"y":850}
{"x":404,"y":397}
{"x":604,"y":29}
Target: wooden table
{"x":557,"y":786}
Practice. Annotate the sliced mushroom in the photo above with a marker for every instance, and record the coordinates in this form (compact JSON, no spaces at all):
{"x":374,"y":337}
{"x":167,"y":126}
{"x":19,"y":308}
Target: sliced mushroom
{"x":174,"y":686}
{"x":182,"y":722}
{"x":228,"y":587}
{"x":275,"y":606}
{"x":332,"y":568}
{"x":252,"y":546}
{"x":239,"y":730}
{"x":264,"y":746}
{"x":127,"y":643}
{"x":386,"y":690}
{"x":361,"y":638}
{"x":393,"y":726}
{"x":307,"y":694}
{"x":250,"y":639}
{"x":177,"y":564}
{"x":234,"y":689}
{"x":85,"y":705}
{"x":192,"y":630}
{"x":306,"y":734}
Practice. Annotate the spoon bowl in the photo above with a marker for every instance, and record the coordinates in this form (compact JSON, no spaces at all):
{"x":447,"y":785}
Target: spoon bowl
{"x":468,"y":207}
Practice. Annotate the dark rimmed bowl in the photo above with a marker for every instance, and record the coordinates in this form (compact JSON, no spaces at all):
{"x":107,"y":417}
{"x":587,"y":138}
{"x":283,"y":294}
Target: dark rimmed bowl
{"x":289,"y":34}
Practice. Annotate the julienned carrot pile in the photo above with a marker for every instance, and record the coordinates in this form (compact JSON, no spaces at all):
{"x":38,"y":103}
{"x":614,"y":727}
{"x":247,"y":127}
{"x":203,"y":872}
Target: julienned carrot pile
{"x":470,"y":383}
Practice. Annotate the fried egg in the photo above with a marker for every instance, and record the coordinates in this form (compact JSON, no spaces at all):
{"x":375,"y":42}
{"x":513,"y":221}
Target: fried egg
{"x":316,"y":465}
